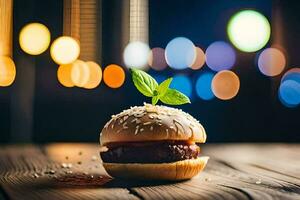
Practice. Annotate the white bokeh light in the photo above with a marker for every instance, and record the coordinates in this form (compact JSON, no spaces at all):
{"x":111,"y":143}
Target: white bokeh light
{"x":136,"y":55}
{"x":249,"y":30}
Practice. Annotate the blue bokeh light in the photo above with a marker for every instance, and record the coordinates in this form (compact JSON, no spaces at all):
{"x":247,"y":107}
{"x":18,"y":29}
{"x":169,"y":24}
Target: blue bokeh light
{"x":292,"y":74}
{"x":289,"y":93}
{"x":183,"y":84}
{"x":159,"y":78}
{"x":203,"y":86}
{"x":220,"y":56}
{"x":180,"y":53}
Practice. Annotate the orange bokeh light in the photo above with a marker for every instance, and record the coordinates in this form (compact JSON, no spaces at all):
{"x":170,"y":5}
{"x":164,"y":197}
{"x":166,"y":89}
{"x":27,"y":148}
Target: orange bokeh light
{"x":200,"y":59}
{"x":95,"y":75}
{"x":114,"y":76}
{"x":225,"y":85}
{"x":64,"y":75}
{"x":271,"y":62}
{"x":80,"y":73}
{"x":7,"y":71}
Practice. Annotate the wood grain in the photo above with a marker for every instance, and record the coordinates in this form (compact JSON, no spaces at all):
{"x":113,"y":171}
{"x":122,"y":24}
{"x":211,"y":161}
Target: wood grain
{"x":235,"y":171}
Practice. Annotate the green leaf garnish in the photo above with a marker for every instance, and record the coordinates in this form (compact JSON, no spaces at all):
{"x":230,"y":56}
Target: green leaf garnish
{"x":174,"y":97}
{"x":150,"y":88}
{"x":163,"y":87}
{"x":144,"y":82}
{"x":155,"y":100}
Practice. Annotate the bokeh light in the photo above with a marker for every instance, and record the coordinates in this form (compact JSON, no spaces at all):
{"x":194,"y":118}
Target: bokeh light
{"x":136,"y":55}
{"x":80,"y":73}
{"x":159,"y":78}
{"x":200,"y":59}
{"x":220,"y":56}
{"x":292,"y":74}
{"x":249,"y":30}
{"x":225,"y":85}
{"x":289,"y":93}
{"x":95,"y":75}
{"x":183,"y":84}
{"x":180,"y":53}
{"x":7,"y":71}
{"x":64,"y":50}
{"x":113,"y":76}
{"x":64,"y":75}
{"x":157,"y":59}
{"x":203,"y":86}
{"x":271,"y":62}
{"x":34,"y":38}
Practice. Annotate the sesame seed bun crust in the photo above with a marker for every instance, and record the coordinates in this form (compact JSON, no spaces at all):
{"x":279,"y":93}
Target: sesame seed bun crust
{"x":175,"y":171}
{"x":152,"y":123}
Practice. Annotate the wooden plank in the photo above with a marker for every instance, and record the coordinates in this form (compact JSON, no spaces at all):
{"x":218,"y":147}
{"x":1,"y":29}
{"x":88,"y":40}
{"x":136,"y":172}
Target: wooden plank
{"x":233,"y":172}
{"x":19,"y":165}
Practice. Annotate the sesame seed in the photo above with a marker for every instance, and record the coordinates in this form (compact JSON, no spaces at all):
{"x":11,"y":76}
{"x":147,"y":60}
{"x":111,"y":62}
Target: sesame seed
{"x":258,"y":182}
{"x":147,"y":123}
{"x":35,"y":175}
{"x":151,"y":128}
{"x":94,"y":158}
{"x":141,"y":129}
{"x":136,"y":131}
{"x":64,"y":165}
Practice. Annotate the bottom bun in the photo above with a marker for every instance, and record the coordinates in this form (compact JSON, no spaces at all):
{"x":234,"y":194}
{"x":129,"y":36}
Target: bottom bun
{"x":180,"y":170}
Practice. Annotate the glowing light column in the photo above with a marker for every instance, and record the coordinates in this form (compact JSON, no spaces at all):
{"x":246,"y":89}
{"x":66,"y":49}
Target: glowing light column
{"x":7,"y":66}
{"x":136,"y":53}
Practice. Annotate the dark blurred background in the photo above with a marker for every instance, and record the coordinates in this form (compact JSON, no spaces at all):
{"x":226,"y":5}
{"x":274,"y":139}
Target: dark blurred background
{"x":37,"y":108}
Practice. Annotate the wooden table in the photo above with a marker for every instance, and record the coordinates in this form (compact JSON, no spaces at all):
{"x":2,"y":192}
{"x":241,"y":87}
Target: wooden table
{"x":74,"y":171}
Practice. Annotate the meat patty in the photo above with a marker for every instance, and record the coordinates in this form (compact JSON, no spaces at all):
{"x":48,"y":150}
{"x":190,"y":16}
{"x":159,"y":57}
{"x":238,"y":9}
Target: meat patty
{"x":154,"y":152}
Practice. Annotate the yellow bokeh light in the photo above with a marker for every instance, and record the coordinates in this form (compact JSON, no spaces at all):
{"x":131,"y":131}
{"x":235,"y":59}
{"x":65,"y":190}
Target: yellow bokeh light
{"x":225,"y":85}
{"x":80,"y":73}
{"x":95,"y":75}
{"x":34,"y":38}
{"x":65,"y":50}
{"x":7,"y":71}
{"x":64,"y":75}
{"x":113,"y":76}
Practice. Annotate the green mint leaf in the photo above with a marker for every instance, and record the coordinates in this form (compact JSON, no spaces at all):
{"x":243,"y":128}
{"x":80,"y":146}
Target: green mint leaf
{"x":155,"y":100}
{"x":174,"y":97}
{"x":163,"y":87}
{"x":144,"y":82}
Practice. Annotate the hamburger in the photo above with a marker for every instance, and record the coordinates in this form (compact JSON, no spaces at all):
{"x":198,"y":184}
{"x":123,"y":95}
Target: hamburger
{"x":152,"y":142}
